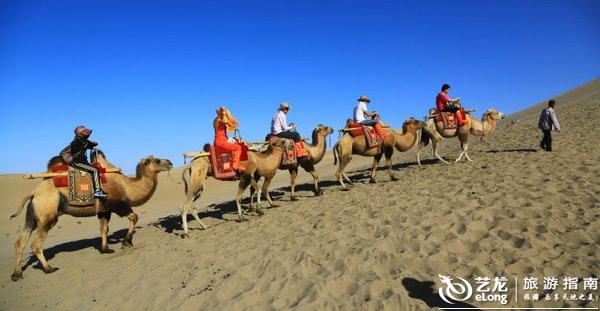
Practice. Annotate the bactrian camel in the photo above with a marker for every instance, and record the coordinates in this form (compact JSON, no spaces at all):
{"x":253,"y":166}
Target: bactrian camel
{"x":316,"y":151}
{"x":435,"y":132}
{"x":348,"y":145}
{"x":46,"y":203}
{"x":194,"y":174}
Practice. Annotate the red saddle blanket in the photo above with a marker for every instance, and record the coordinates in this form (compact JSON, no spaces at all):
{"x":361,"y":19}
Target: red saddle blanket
{"x":221,"y":162}
{"x":63,"y":181}
{"x":447,"y":118}
{"x":292,"y":151}
{"x":373,"y":140}
{"x":79,"y":183}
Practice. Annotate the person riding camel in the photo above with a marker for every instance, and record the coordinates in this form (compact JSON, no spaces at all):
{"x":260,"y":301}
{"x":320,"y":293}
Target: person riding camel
{"x":75,"y":156}
{"x":363,"y":116}
{"x":443,"y":103}
{"x":223,"y":123}
{"x":280,"y":128}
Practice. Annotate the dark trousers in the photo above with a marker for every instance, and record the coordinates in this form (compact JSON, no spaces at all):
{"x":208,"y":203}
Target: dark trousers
{"x":369,"y":122}
{"x":89,"y":169}
{"x":290,"y":135}
{"x":546,"y":142}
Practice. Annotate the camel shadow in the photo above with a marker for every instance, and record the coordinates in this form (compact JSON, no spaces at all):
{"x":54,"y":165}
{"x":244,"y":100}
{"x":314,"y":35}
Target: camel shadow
{"x":74,"y":246}
{"x":217,"y":210}
{"x":425,"y":292}
{"x":511,"y":150}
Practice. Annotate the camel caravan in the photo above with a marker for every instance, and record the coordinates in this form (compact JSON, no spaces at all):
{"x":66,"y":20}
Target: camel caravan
{"x":81,"y":187}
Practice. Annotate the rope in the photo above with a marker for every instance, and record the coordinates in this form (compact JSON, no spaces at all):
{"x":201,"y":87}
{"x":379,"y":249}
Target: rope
{"x":171,"y":177}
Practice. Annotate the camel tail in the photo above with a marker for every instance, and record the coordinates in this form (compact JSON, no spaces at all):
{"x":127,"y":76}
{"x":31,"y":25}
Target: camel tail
{"x":425,"y":138}
{"x":186,"y":169}
{"x":25,"y":201}
{"x":335,"y":154}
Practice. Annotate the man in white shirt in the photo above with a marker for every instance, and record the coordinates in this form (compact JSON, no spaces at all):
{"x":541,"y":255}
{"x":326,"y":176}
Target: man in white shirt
{"x":279,"y":126}
{"x":363,"y":116}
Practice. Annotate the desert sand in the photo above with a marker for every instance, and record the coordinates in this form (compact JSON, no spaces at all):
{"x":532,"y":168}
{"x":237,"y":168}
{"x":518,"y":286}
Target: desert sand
{"x":514,"y":211}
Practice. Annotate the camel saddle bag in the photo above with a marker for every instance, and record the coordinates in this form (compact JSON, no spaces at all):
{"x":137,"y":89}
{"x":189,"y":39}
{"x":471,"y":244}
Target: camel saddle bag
{"x":373,"y":140}
{"x":221,"y":162}
{"x":81,"y":190}
{"x":290,"y":155}
{"x":447,"y":118}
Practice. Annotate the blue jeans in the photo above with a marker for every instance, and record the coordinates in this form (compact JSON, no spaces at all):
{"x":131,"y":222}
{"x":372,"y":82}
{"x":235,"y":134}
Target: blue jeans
{"x":369,"y":122}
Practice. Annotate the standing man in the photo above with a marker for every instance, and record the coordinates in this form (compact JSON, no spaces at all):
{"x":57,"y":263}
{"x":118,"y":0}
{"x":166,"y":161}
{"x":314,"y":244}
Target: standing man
{"x":445,"y":103}
{"x":279,"y":126}
{"x":363,"y":116}
{"x":548,"y":122}
{"x":75,"y":155}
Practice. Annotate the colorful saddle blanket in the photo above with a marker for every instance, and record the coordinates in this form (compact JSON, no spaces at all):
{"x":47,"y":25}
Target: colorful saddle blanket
{"x":291,"y":152}
{"x":221,"y":162}
{"x":373,"y":140}
{"x":81,"y":190}
{"x":447,"y":118}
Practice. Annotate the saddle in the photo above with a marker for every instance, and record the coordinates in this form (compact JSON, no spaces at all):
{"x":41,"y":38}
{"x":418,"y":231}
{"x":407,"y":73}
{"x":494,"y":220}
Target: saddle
{"x":221,"y":162}
{"x":448,"y":118}
{"x":81,"y":191}
{"x":373,"y":140}
{"x":291,"y":151}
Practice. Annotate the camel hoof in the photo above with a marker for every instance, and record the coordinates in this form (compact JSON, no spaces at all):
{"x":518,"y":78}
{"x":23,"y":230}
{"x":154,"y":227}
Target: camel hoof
{"x":260,"y":212}
{"x":394,"y":178}
{"x":126,"y":243}
{"x":294,"y":199}
{"x":372,"y":181}
{"x":50,"y":270}
{"x":345,"y":189}
{"x":16,"y":276}
{"x":275,"y":206}
{"x":318,"y":193}
{"x":184,"y":236}
{"x":106,"y":250}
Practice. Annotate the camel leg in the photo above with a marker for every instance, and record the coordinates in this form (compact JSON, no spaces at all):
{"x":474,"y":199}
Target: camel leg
{"x":257,"y":189}
{"x":104,"y":248}
{"x":435,"y":141}
{"x":254,"y":189}
{"x":133,"y":219}
{"x":464,"y":146}
{"x":30,"y":225}
{"x":376,"y":160}
{"x":183,"y":208}
{"x":194,"y":213}
{"x":341,"y":174}
{"x":388,"y":162}
{"x":315,"y":176}
{"x":418,"y":152}
{"x":36,"y":246}
{"x":265,"y":189}
{"x":244,"y":182}
{"x":293,"y":175}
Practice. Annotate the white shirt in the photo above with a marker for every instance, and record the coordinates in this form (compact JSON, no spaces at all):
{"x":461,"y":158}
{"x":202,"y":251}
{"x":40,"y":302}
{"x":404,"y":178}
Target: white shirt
{"x":359,"y":112}
{"x":279,"y":123}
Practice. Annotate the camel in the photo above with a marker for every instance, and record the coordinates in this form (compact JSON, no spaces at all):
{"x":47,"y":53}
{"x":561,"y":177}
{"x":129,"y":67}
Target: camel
{"x":348,"y":145}
{"x":260,"y":164}
{"x":435,"y":132}
{"x":46,"y":203}
{"x":316,"y":151}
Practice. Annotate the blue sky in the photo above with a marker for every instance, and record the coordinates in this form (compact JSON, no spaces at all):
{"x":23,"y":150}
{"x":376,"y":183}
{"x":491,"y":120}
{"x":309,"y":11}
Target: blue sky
{"x":147,"y":76}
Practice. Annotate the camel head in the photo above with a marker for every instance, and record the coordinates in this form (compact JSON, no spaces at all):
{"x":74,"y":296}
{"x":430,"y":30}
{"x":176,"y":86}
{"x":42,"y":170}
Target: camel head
{"x":323,"y":130}
{"x":155,"y":165}
{"x":412,"y":124}
{"x":493,"y":114}
{"x":274,"y":144}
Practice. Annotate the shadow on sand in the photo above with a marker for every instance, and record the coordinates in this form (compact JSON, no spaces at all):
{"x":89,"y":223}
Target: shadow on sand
{"x":74,"y":246}
{"x":425,"y":291}
{"x":511,"y":150}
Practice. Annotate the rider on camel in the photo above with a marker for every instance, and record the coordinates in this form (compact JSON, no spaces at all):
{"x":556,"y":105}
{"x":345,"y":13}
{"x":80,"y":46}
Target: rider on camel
{"x":223,"y":123}
{"x":443,"y":103}
{"x":363,"y":116}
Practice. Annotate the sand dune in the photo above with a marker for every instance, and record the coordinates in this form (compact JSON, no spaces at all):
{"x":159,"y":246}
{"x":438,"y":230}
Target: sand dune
{"x":514,"y":211}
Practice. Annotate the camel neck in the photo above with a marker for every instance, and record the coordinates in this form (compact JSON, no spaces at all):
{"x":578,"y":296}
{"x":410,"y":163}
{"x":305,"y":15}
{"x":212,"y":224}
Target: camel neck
{"x":405,"y":140}
{"x":317,"y":147}
{"x":141,"y":187}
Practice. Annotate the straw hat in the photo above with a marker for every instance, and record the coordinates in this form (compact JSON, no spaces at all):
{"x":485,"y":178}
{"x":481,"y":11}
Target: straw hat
{"x":364,"y":99}
{"x":285,"y":105}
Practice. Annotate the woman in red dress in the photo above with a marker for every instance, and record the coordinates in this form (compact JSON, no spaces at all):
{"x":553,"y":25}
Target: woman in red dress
{"x":225,"y":122}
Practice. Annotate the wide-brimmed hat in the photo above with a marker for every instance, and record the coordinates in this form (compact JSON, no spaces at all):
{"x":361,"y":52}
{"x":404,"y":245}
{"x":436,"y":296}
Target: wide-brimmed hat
{"x":364,"y":99}
{"x":285,"y":105}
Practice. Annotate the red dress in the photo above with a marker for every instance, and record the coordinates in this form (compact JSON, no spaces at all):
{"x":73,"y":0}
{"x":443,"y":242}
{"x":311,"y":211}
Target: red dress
{"x":223,"y":146}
